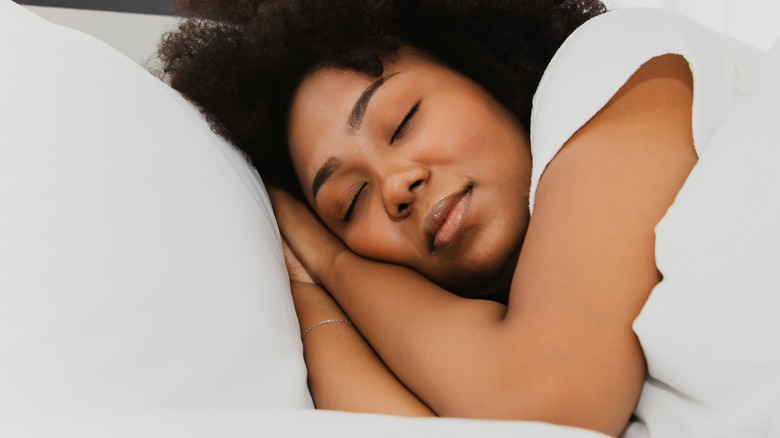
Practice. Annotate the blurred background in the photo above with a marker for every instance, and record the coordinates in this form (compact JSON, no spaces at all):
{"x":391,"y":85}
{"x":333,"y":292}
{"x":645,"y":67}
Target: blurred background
{"x":134,"y":26}
{"x":756,"y":22}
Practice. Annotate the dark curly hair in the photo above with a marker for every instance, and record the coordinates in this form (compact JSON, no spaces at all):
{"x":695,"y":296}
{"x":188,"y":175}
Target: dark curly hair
{"x":240,"y":61}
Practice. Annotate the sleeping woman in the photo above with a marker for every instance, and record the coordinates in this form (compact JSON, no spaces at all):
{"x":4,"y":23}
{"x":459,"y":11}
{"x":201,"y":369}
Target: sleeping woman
{"x":452,"y":252}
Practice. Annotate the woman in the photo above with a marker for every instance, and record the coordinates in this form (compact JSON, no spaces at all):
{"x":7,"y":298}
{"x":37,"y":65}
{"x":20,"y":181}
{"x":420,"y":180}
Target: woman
{"x":405,"y":127}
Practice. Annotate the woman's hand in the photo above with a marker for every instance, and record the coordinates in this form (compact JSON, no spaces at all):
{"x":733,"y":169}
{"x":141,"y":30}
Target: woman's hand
{"x":295,"y":269}
{"x":314,"y":248}
{"x":344,"y":372}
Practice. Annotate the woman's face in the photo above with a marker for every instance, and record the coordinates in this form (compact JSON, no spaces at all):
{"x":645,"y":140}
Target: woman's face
{"x":420,"y":167}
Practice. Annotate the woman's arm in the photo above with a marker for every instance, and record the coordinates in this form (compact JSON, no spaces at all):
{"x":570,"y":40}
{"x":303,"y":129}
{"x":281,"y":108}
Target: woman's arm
{"x":344,"y":372}
{"x":563,"y":351}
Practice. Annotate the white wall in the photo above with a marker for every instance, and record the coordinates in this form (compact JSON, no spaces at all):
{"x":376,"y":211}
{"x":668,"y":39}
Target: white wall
{"x":756,"y":22}
{"x":135,"y":35}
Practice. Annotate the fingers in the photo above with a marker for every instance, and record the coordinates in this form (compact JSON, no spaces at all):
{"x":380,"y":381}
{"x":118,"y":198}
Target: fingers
{"x":312,"y":245}
{"x":291,"y":213}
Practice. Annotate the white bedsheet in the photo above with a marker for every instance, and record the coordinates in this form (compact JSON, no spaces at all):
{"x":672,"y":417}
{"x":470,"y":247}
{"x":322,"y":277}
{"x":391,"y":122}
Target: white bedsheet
{"x":270,"y":423}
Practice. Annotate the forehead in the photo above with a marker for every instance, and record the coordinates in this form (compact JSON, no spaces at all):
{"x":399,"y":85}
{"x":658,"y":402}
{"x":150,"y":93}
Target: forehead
{"x":325,"y":89}
{"x":319,"y":114}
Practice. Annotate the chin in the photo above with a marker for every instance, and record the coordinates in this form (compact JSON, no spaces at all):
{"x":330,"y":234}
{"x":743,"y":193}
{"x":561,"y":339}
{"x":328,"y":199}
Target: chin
{"x":485,"y":269}
{"x":489,"y":273}
{"x":480,"y":278}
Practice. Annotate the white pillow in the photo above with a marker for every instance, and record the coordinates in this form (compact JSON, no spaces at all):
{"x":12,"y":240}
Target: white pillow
{"x":140,"y":264}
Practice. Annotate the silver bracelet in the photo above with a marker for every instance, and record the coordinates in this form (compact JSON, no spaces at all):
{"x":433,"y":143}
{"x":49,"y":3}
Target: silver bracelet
{"x":327,"y":321}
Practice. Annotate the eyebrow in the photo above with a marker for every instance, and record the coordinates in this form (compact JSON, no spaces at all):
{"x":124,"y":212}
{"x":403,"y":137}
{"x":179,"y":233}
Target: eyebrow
{"x":326,"y":170}
{"x":355,"y":120}
{"x":361,"y":105}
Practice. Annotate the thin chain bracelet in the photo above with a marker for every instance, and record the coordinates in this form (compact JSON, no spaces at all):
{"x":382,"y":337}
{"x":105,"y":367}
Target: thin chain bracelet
{"x":327,"y":321}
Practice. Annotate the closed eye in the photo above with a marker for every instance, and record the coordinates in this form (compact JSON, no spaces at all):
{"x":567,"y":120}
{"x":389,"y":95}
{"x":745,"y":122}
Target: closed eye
{"x":348,"y":214}
{"x":404,"y":125}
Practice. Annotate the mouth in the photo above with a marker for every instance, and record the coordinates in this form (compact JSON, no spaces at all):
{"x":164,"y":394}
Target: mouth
{"x":446,"y":218}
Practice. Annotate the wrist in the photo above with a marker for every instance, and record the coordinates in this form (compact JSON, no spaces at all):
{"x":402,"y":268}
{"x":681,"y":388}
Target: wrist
{"x":340,"y":260}
{"x":313,"y":304}
{"x":322,"y":323}
{"x":307,"y":294}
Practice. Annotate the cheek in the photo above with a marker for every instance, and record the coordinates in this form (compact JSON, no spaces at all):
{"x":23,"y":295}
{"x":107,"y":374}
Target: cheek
{"x":375,"y":246}
{"x":467,"y":135}
{"x":378,"y":239}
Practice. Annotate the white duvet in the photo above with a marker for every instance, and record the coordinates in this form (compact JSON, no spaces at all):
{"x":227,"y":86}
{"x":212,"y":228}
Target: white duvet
{"x":273,"y":424}
{"x":711,"y":329}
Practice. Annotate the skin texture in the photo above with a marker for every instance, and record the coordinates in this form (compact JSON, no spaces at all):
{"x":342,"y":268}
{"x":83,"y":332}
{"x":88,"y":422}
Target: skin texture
{"x":458,"y":139}
{"x":562,"y":351}
{"x":357,"y":380}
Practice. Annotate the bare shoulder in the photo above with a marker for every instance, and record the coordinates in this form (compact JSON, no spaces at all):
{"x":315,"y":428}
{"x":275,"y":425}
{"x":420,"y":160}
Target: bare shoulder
{"x":588,"y":261}
{"x":630,"y":160}
{"x":611,"y":183}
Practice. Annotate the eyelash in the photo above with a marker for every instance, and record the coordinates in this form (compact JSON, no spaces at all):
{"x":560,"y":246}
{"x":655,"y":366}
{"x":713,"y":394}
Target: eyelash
{"x":397,"y":134}
{"x":348,"y":214}
{"x":402,"y":127}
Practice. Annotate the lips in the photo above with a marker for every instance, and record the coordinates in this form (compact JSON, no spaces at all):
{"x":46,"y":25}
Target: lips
{"x":443,"y":222}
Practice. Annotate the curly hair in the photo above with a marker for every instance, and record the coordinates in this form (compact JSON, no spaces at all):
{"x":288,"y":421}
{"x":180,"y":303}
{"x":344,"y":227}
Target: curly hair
{"x":241,"y":61}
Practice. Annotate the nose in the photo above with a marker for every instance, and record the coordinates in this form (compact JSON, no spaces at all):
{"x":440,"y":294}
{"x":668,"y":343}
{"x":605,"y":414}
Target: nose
{"x":399,"y":190}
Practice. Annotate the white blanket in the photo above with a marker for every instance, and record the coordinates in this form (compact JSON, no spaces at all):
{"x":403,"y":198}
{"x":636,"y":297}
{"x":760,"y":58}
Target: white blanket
{"x":711,"y":329}
{"x":273,"y":424}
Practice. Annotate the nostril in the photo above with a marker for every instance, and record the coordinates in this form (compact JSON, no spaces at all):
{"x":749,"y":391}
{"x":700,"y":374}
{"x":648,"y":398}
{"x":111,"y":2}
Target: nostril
{"x":403,"y":207}
{"x":415,"y":185}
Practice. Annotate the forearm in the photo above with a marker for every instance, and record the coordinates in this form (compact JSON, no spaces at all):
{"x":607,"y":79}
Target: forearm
{"x":429,"y":337}
{"x":433,"y":341}
{"x":476,"y":358}
{"x":545,"y":357}
{"x":344,"y":372}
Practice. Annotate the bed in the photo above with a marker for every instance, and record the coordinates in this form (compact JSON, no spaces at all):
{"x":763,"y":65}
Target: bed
{"x":143,"y":289}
